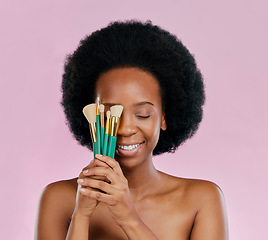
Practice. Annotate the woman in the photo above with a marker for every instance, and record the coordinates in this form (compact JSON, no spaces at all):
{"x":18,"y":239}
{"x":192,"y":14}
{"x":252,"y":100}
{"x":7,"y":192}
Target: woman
{"x":153,"y":75}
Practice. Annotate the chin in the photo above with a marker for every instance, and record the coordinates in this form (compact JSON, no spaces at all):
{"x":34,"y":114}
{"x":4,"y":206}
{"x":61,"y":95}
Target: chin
{"x":131,"y":163}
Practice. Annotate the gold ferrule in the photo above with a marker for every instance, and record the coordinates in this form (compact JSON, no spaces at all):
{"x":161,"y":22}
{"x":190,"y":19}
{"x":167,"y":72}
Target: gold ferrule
{"x":107,"y":127}
{"x":115,"y":121}
{"x":102,"y":119}
{"x":92,"y":127}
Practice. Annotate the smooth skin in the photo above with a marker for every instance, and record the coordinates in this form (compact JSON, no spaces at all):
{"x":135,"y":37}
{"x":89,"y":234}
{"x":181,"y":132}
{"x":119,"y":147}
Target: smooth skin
{"x":128,"y":198}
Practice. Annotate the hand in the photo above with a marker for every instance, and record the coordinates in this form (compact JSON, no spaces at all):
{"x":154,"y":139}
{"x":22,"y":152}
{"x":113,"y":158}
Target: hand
{"x":115,"y":195}
{"x":86,"y":205}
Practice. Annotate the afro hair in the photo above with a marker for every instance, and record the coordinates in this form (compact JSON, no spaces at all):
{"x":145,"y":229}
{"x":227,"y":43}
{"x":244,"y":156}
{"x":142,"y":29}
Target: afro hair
{"x":149,"y":48}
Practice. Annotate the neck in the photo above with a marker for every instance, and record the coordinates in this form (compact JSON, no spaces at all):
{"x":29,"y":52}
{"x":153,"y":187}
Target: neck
{"x":142,"y":179}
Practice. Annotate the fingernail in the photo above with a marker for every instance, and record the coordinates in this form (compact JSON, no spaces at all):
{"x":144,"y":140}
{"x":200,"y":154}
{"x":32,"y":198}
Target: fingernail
{"x":82,"y":189}
{"x":85,"y":171}
{"x":80,"y":180}
{"x":98,"y":155}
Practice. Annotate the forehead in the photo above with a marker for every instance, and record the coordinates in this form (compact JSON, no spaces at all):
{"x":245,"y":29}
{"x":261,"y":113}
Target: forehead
{"x":128,"y":84}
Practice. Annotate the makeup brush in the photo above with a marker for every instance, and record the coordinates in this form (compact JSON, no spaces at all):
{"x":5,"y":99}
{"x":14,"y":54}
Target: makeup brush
{"x":90,"y":114}
{"x":102,"y":128}
{"x":98,"y":150}
{"x":107,"y":132}
{"x":116,"y":112}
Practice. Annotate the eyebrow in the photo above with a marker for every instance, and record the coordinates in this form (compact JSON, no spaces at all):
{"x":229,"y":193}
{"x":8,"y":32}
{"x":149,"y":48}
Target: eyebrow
{"x":136,"y":104}
{"x":143,"y":103}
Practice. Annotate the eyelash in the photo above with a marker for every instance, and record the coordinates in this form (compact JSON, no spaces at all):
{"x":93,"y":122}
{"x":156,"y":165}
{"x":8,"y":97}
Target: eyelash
{"x":143,"y":117}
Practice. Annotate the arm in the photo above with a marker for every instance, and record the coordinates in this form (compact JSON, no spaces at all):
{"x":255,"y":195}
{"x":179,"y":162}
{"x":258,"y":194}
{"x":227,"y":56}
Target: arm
{"x":79,"y":225}
{"x":116,"y":196}
{"x":63,"y":210}
{"x":57,"y":204}
{"x":211,"y":218}
{"x":78,"y":228}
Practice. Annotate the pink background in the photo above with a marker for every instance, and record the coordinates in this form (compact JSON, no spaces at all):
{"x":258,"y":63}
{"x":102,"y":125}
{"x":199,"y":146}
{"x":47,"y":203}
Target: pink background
{"x":229,"y":40}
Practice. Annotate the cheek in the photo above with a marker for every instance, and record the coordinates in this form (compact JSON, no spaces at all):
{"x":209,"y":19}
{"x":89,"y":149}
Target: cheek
{"x":151,"y":130}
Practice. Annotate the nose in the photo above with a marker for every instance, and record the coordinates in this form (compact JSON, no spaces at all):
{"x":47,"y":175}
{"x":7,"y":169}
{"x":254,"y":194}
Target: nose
{"x":127,"y":127}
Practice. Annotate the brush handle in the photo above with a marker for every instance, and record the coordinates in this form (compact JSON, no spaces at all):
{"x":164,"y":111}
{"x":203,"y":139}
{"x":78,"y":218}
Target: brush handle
{"x":102,"y":139}
{"x":105,"y":144}
{"x":94,"y":149}
{"x":98,"y":151}
{"x":111,"y":147}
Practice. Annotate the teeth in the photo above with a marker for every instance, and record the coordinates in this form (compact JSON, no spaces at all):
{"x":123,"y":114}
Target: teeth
{"x":129,"y":147}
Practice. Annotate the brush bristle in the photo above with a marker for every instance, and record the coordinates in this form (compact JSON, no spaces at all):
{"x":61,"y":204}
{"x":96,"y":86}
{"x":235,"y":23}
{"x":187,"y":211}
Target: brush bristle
{"x":101,"y":108}
{"x":116,"y":110}
{"x":90,"y":112}
{"x":108,"y":114}
{"x":98,"y":100}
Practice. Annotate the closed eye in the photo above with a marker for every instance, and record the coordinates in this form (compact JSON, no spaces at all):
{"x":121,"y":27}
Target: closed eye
{"x":143,"y":116}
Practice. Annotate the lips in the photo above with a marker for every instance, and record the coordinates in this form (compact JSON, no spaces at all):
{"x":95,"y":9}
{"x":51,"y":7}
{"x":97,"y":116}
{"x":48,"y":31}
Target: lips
{"x":128,"y":149}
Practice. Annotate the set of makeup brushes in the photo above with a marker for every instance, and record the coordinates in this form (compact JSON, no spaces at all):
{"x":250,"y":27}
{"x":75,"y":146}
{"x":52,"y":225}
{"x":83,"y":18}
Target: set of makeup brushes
{"x":103,"y":133}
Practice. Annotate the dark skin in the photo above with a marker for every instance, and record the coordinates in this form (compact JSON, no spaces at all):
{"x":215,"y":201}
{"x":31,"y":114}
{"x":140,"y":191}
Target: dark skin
{"x":128,"y":198}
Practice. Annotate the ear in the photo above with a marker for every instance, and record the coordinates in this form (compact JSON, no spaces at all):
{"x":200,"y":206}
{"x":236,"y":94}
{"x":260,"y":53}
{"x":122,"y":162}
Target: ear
{"x":163,"y":123}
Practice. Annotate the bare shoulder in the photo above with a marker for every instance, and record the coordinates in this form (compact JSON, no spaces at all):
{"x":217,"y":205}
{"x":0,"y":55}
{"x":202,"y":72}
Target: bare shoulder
{"x":206,"y":199}
{"x":211,"y":217}
{"x":196,"y":188}
{"x":60,"y":189}
{"x":203,"y":190}
{"x":56,"y":205}
{"x":61,"y":193}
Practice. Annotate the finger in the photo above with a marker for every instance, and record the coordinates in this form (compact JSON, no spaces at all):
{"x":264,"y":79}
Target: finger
{"x":92,"y":189}
{"x":95,"y":162}
{"x":96,"y":184}
{"x":102,"y":197}
{"x":103,"y":171}
{"x":99,"y":163}
{"x":112,"y":163}
{"x":85,"y":168}
{"x":102,"y":178}
{"x":92,"y":164}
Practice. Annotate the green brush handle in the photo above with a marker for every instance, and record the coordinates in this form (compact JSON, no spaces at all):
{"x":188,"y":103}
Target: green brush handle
{"x":102,"y":139}
{"x":105,"y":144}
{"x":98,"y":151}
{"x":94,"y":149}
{"x":111,"y":147}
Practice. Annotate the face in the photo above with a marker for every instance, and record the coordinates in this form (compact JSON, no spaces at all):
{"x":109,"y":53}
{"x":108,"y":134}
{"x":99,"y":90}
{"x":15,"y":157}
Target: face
{"x":142,"y":118}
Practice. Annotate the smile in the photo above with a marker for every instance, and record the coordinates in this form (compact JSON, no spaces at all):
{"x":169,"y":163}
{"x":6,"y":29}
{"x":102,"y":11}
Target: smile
{"x":129,"y":150}
{"x":128,"y":147}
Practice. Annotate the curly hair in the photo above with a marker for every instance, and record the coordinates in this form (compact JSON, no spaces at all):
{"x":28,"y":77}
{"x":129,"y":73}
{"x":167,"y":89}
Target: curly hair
{"x":149,"y":48}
